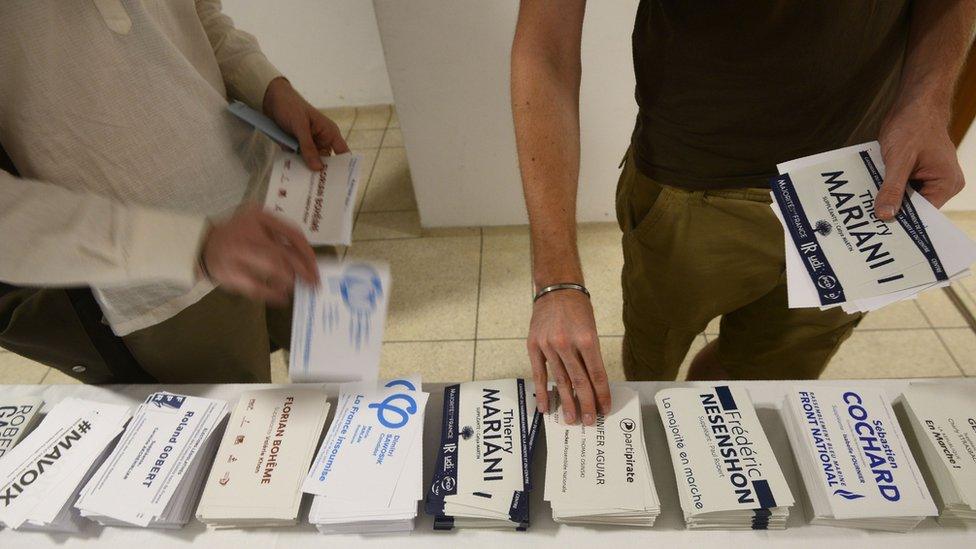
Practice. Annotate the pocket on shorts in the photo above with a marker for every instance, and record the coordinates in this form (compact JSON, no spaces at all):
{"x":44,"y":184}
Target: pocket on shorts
{"x":641,"y":201}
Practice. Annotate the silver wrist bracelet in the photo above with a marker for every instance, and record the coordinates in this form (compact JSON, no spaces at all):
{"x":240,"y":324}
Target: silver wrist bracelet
{"x":560,"y":286}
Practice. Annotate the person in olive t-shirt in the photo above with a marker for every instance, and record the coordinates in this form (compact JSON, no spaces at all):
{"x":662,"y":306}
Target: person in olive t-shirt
{"x":725,"y":90}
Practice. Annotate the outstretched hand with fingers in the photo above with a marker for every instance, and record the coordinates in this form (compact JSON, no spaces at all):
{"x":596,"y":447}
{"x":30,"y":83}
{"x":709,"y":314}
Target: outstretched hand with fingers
{"x":317,"y":135}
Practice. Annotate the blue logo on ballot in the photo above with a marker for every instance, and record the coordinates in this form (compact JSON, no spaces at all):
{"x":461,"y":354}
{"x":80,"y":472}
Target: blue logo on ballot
{"x":401,"y":413}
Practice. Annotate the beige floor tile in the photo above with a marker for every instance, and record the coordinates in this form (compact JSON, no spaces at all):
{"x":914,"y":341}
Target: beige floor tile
{"x":365,"y":173}
{"x":966,"y":221}
{"x":56,"y":377}
{"x":342,"y":116}
{"x":602,"y":259}
{"x":901,"y":315}
{"x":505,"y":358}
{"x":961,"y":343}
{"x":279,"y":367}
{"x":17,"y":370}
{"x":365,"y":139}
{"x":505,"y":308}
{"x":696,"y":346}
{"x":435,"y":361}
{"x":394,"y":225}
{"x":394,"y":119}
{"x":966,"y":291}
{"x":940,"y":310}
{"x":390,"y":188}
{"x":713,"y":326}
{"x":393,"y":138}
{"x":892,"y":354}
{"x":372,"y":118}
{"x":435,"y":285}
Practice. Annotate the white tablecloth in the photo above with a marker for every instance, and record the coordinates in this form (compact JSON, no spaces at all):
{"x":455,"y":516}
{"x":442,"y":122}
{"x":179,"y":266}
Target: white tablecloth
{"x":669,"y":531}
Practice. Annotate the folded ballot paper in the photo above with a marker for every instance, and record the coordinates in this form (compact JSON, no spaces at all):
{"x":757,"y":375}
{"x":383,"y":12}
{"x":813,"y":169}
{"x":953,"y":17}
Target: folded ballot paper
{"x":368,"y":475}
{"x":154,"y":475}
{"x":256,"y":477}
{"x":17,"y":418}
{"x":943,"y":418}
{"x":855,"y":463}
{"x":601,"y":474}
{"x":481,"y":476}
{"x":321,"y":203}
{"x":839,"y":254}
{"x":337,"y":327}
{"x":727,"y":475}
{"x":41,"y":477}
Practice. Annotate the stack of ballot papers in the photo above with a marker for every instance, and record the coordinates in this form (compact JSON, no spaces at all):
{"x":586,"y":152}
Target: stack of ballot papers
{"x":368,"y":475}
{"x":481,"y":476}
{"x":337,"y":327}
{"x":943,"y":418}
{"x":320,"y":203}
{"x":264,"y":455}
{"x":839,"y":254}
{"x":154,"y":476}
{"x":41,"y":477}
{"x":17,"y":418}
{"x":601,"y":474}
{"x":727,"y":475}
{"x":855,"y":463}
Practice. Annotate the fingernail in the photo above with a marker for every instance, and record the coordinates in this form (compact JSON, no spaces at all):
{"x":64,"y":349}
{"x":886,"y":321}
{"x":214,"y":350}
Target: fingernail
{"x":886,"y":211}
{"x":588,"y":419}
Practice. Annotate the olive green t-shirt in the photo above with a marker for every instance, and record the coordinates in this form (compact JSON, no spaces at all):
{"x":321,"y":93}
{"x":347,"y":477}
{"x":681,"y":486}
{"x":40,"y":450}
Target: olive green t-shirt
{"x":727,"y":89}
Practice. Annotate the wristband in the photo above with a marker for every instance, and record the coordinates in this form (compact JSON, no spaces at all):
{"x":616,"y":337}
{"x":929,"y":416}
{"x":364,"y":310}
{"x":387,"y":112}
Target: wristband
{"x":560,"y":286}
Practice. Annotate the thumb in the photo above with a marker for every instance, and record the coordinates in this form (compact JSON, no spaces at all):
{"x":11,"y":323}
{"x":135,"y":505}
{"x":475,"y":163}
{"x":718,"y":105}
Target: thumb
{"x":892,"y":191}
{"x":307,"y":148}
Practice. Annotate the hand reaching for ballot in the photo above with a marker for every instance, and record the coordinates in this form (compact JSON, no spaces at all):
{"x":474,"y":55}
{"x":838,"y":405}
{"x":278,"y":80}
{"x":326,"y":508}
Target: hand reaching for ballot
{"x":317,"y":135}
{"x":915,"y":145}
{"x":563,"y":335}
{"x":257,"y":255}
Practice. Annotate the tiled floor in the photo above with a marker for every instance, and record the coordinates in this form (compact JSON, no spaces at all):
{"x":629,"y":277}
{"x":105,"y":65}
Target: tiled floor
{"x":461,"y":304}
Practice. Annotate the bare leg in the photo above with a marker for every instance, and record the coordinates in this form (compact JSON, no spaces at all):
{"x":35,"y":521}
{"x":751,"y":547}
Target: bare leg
{"x":705,"y":366}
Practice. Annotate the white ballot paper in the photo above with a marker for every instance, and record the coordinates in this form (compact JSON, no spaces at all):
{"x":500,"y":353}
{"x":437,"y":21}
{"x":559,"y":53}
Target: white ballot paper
{"x":41,"y":477}
{"x":154,"y":476}
{"x":367,"y":477}
{"x":481,"y":477}
{"x":839,"y":254}
{"x":943,"y":417}
{"x":321,"y":203}
{"x":17,"y":418}
{"x":855,"y":463}
{"x":269,"y":441}
{"x":337,"y":328}
{"x":727,"y":475}
{"x":601,"y":474}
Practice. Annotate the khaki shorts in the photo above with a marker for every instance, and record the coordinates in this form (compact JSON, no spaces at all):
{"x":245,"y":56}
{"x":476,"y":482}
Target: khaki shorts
{"x":690,"y":256}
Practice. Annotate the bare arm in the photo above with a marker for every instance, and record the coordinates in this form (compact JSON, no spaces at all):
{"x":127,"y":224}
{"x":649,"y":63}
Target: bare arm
{"x":546,"y":73}
{"x":914,"y":138}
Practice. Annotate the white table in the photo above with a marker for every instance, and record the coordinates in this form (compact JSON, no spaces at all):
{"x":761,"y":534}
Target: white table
{"x":669,"y":531}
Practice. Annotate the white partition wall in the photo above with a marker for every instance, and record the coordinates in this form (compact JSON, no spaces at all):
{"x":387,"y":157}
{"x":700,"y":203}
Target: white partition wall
{"x":449,"y":69}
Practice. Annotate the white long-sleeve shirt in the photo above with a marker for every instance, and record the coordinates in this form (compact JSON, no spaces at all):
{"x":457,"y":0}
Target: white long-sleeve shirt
{"x":114,"y":113}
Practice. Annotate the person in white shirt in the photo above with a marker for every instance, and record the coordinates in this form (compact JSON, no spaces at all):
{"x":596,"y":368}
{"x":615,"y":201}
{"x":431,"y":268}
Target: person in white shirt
{"x":136,"y":181}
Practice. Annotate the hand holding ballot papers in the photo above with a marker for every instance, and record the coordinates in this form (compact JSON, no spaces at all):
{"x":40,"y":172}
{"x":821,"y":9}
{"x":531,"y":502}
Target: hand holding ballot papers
{"x":337,"y":327}
{"x":838,"y":253}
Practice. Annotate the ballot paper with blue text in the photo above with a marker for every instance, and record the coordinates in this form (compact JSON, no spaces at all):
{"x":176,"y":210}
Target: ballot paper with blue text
{"x":17,"y":418}
{"x":855,"y":462}
{"x":41,"y":477}
{"x":337,"y":327}
{"x":481,"y":476}
{"x":263,"y":457}
{"x":367,"y":477}
{"x":321,"y":203}
{"x":154,"y":476}
{"x":728,"y":477}
{"x":839,"y":254}
{"x":943,"y":418}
